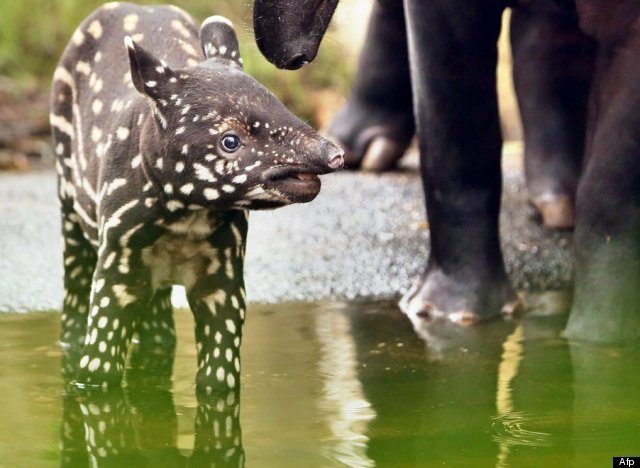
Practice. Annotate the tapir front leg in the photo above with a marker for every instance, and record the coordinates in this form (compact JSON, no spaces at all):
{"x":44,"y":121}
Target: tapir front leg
{"x":119,"y":297}
{"x":454,"y":82}
{"x":606,"y":306}
{"x":219,"y":314}
{"x":217,"y":300}
{"x":376,"y":124}
{"x":155,"y":350}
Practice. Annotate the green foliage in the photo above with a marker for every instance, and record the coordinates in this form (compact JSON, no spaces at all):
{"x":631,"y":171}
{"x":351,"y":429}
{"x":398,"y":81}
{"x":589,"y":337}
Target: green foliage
{"x":33,"y":34}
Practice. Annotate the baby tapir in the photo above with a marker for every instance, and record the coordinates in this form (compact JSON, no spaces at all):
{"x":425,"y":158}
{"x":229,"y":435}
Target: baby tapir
{"x":161,"y":147}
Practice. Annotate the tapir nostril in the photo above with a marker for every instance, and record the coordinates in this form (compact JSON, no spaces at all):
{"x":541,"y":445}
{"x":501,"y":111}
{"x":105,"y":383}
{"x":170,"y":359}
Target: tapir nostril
{"x":297,"y":61}
{"x":337,"y":161}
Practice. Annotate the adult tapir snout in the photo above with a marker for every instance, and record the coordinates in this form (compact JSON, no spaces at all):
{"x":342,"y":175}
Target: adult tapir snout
{"x":289,"y":33}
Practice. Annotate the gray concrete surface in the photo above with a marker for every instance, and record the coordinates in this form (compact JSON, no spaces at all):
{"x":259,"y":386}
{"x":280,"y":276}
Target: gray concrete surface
{"x":364,"y":236}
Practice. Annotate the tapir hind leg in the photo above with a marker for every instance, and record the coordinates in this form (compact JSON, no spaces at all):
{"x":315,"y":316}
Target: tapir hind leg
{"x":552,"y":70}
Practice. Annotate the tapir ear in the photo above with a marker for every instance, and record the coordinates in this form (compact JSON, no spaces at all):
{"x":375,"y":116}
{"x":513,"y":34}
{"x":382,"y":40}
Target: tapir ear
{"x":219,"y":40}
{"x":148,"y":74}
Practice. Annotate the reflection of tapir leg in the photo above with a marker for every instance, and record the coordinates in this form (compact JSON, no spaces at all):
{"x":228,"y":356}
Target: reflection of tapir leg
{"x":552,"y":68}
{"x":454,"y":81}
{"x":606,"y":407}
{"x":73,"y":448}
{"x":440,"y":395}
{"x":376,"y":124}
{"x":218,"y":434}
{"x":155,"y":422}
{"x":607,"y":239}
{"x":107,"y":429}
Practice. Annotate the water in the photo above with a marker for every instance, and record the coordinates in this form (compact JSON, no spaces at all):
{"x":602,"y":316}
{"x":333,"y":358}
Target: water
{"x":329,"y":385}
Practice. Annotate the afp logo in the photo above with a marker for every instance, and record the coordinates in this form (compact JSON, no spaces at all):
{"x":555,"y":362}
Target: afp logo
{"x":626,"y":461}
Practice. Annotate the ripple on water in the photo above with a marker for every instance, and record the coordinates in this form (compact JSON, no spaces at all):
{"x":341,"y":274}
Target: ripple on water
{"x":511,"y":428}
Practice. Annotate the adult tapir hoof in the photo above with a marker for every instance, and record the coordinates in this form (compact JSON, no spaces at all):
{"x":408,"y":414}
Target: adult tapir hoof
{"x":556,"y":211}
{"x":439,"y":296}
{"x":382,"y":154}
{"x":373,"y":139}
{"x":376,"y":124}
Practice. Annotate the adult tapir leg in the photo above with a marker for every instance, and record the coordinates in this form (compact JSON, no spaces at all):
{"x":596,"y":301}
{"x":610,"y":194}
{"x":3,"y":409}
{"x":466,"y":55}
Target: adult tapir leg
{"x":552,"y":70}
{"x":606,"y":304}
{"x":452,"y":46}
{"x":376,"y":124}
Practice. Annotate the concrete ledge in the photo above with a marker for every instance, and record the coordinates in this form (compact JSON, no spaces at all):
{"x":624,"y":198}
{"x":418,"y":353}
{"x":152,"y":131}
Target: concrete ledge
{"x":365,"y":236}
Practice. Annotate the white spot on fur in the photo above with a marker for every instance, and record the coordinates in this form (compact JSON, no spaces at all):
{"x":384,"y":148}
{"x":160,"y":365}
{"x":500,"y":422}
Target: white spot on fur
{"x":136,"y":161}
{"x":61,"y":123}
{"x":78,"y":37}
{"x":211,"y":194}
{"x":95,"y":29}
{"x":177,"y":25}
{"x":115,"y":184}
{"x":188,"y":48}
{"x":83,"y":67}
{"x":121,"y":294}
{"x":96,"y":106}
{"x":97,"y":87}
{"x":96,"y":134}
{"x":203,"y":173}
{"x":84,"y":361}
{"x":130,"y":22}
{"x":231,"y":381}
{"x":187,"y":188}
{"x":122,"y":133}
{"x":174,"y":205}
{"x":94,"y":364}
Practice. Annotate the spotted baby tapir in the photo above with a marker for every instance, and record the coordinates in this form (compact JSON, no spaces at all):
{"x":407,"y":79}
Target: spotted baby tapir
{"x":162,"y":146}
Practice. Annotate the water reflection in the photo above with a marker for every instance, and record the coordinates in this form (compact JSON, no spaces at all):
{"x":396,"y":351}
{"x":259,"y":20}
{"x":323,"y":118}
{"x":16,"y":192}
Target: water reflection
{"x":137,"y":426}
{"x":508,"y":393}
{"x":347,"y":410}
{"x":334,"y":385}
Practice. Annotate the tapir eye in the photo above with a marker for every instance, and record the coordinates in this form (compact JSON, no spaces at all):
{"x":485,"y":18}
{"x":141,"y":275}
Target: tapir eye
{"x":230,"y":143}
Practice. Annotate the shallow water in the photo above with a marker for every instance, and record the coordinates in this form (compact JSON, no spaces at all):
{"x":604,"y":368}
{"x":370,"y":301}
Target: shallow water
{"x":327,"y":385}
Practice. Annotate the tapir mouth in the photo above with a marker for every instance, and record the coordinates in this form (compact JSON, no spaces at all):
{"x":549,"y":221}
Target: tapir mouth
{"x":299,"y":184}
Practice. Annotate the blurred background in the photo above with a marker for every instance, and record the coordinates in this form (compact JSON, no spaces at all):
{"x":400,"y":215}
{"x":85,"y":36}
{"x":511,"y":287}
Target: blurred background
{"x":33,"y":34}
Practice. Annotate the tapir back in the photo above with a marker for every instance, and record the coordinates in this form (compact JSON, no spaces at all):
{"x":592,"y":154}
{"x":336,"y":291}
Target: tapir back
{"x":97,"y":114}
